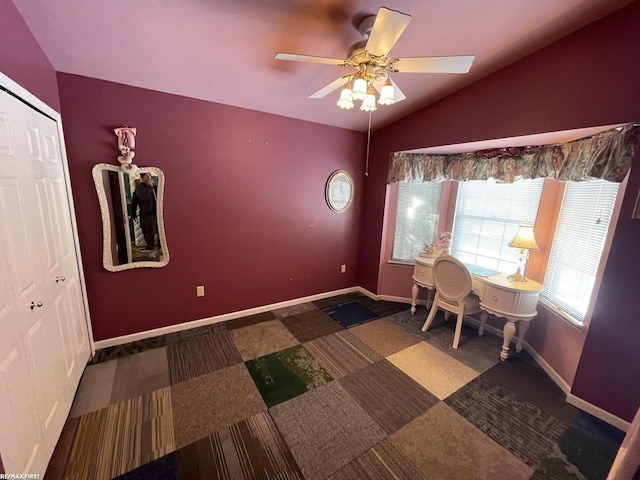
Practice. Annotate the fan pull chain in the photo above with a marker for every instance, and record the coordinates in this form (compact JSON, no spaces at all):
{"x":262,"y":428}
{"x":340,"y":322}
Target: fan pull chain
{"x":366,"y":167}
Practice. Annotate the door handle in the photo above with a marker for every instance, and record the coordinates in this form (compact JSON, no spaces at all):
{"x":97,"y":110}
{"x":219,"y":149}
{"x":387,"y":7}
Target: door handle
{"x":60,"y":279}
{"x":35,"y":305}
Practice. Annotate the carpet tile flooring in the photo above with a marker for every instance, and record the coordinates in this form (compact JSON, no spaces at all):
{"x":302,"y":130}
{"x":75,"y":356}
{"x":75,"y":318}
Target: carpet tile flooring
{"x":343,"y":388}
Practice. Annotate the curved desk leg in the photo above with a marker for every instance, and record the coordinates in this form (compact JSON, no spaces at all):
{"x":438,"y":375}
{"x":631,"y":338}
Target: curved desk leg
{"x":508,"y":333}
{"x":483,"y":319}
{"x":414,"y":296}
{"x":522,"y":329}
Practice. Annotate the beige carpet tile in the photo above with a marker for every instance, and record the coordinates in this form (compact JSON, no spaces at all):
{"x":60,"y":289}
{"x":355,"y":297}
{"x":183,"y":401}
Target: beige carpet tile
{"x":384,"y":337}
{"x":389,"y":396}
{"x":249,"y":320}
{"x":208,"y":403}
{"x":119,"y":438}
{"x":136,"y":432}
{"x":307,"y":326}
{"x":434,"y":370}
{"x":443,"y":445}
{"x":262,"y":338}
{"x":140,"y":373}
{"x":201,"y":355}
{"x":250,"y":449}
{"x":325,"y":429}
{"x":383,"y":461}
{"x":95,"y":388}
{"x":342,"y":353}
{"x":294,"y":309}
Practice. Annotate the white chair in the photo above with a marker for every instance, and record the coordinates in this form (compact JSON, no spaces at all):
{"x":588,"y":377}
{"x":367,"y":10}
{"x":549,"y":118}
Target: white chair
{"x":453,"y":292}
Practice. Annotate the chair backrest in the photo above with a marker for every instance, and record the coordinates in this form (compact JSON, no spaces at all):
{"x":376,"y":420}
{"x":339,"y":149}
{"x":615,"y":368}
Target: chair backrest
{"x":452,"y":277}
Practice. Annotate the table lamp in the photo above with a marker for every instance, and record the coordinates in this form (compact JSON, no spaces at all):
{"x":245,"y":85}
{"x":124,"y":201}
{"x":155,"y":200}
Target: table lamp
{"x":525,"y":241}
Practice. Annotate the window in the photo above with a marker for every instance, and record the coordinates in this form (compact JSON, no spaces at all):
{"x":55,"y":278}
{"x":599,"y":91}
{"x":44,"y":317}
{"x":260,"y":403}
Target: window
{"x":487,"y":216}
{"x":577,"y":247}
{"x":417,"y":216}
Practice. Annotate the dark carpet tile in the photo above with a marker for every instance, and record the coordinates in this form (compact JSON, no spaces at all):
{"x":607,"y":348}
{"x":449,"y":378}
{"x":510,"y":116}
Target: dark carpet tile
{"x":599,"y":430}
{"x":522,"y":428}
{"x":288,"y":373}
{"x":198,"y":332}
{"x":250,"y":449}
{"x":382,"y":308}
{"x":163,"y":468}
{"x":60,"y":458}
{"x":249,"y":320}
{"x":201,"y":355}
{"x":350,"y":314}
{"x":118,"y":351}
{"x":532,"y":384}
{"x":307,"y":326}
{"x":337,"y":300}
{"x":389,"y":396}
{"x":577,"y":450}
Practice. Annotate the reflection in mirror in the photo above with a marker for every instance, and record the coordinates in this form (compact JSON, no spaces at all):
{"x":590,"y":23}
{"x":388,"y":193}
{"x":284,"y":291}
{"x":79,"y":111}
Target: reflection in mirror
{"x":131,"y":204}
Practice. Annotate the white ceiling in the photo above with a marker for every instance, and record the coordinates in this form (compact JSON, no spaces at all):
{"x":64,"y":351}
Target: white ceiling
{"x":222,"y":50}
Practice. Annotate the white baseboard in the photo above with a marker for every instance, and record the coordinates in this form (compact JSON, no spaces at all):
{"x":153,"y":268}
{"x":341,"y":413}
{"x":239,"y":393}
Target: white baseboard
{"x":110,"y":342}
{"x":598,"y":412}
{"x":407,"y":300}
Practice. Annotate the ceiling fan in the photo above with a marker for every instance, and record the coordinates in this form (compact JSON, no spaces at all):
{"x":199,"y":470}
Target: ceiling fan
{"x":373,"y":62}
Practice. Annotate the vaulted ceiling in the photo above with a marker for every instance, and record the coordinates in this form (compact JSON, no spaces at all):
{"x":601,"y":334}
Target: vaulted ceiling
{"x":223,"y":50}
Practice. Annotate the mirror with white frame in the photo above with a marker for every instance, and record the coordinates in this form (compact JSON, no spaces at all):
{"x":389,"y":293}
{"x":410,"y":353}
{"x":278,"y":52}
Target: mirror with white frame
{"x":131,"y":204}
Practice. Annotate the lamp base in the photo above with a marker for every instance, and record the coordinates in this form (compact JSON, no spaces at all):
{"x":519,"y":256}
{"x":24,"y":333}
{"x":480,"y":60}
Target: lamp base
{"x":517,"y":277}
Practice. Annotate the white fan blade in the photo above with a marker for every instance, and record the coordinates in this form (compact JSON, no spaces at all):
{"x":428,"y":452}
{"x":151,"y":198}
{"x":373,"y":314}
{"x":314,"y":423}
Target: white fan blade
{"x":458,"y":64}
{"x":323,"y":92}
{"x":308,"y":58}
{"x":399,"y":96}
{"x":387,"y":28}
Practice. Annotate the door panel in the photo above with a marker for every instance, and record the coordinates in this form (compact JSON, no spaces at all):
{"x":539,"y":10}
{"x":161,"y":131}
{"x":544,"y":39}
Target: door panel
{"x":41,"y":302}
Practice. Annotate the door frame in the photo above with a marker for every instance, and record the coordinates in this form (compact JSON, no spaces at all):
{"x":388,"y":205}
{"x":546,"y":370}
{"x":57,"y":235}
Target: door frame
{"x":24,"y":95}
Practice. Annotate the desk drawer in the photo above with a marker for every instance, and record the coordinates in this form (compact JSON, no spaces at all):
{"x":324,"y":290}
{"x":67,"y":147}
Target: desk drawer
{"x":423,"y":274}
{"x":500,"y":300}
{"x":516,"y":302}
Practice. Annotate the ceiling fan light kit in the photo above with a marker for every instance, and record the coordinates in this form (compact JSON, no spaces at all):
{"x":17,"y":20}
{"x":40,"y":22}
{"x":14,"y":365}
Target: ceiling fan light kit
{"x":372,"y":59}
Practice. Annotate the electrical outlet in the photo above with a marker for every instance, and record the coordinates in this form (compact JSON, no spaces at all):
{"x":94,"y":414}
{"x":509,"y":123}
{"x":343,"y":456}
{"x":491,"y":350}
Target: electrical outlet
{"x":200,"y":291}
{"x":343,"y":268}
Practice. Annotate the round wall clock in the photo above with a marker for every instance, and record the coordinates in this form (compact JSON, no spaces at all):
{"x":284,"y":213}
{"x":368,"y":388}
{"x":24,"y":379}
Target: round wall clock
{"x":339,"y":191}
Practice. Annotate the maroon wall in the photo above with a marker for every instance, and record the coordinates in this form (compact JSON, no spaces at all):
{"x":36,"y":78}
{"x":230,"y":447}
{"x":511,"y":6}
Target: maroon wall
{"x":245,"y":211}
{"x":22,"y":59}
{"x":589,"y":78}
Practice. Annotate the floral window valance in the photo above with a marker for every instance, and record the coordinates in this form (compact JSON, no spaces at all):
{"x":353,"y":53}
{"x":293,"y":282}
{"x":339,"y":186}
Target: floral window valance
{"x":605,"y":155}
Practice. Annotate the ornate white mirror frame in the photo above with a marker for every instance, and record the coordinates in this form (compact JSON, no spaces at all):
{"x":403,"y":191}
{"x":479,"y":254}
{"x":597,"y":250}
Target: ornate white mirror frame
{"x":116,"y":246}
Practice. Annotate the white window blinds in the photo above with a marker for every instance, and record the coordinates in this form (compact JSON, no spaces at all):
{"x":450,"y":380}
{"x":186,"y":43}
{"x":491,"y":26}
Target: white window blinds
{"x":417,"y":216}
{"x":577,"y":247}
{"x":487,"y":217}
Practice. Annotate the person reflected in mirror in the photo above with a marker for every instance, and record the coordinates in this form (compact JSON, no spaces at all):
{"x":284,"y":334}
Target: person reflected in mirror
{"x":144,"y":197}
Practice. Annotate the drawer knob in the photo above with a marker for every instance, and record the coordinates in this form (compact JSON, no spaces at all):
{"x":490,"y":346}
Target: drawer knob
{"x":494,"y":298}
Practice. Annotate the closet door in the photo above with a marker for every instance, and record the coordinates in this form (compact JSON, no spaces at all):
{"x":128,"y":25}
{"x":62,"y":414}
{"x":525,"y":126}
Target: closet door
{"x":44,"y":342}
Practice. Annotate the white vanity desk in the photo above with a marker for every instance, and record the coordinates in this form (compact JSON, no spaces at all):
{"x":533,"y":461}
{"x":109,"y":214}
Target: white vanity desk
{"x":499,"y":296}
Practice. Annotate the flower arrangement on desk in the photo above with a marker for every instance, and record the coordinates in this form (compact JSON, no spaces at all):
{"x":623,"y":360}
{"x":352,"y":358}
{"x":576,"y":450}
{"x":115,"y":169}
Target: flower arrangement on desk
{"x":441,"y":247}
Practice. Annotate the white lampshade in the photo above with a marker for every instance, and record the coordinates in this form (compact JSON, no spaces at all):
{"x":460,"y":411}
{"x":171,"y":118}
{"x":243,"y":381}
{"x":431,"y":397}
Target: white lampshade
{"x":524,"y":238}
{"x":346,"y":97}
{"x":359,"y":89}
{"x":387,"y":94}
{"x":369,"y":102}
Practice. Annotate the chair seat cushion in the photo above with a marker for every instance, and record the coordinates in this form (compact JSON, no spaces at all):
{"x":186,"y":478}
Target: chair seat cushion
{"x":471,"y":303}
